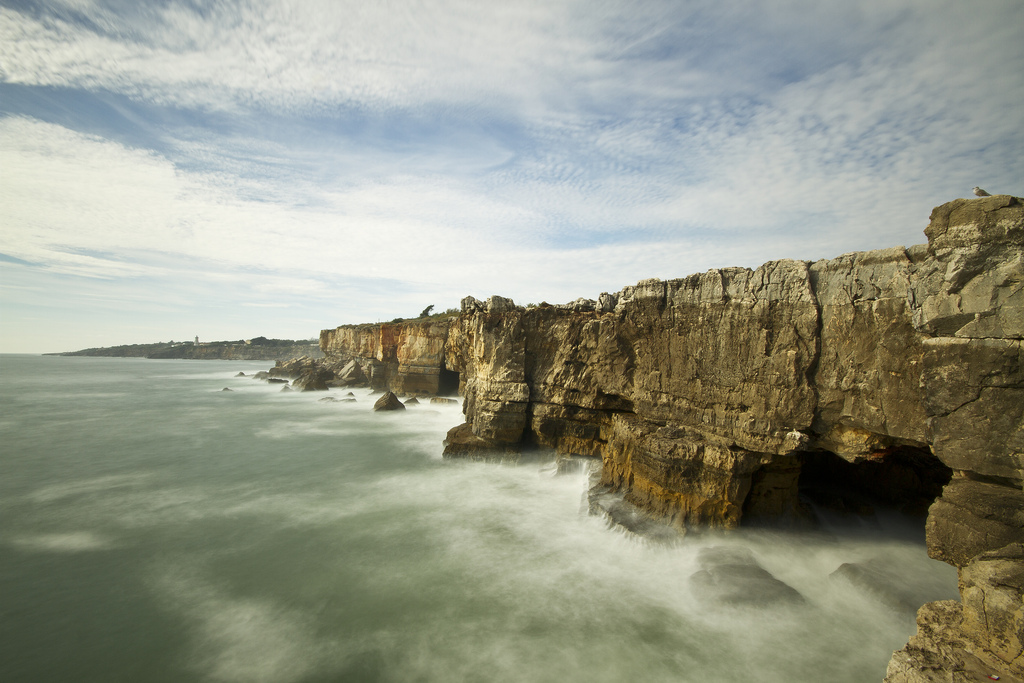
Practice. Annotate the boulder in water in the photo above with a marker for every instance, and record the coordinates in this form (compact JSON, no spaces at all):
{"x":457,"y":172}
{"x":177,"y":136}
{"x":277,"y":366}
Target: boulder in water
{"x":413,"y":401}
{"x":315,"y":379}
{"x":350,"y":375}
{"x":388,"y":402}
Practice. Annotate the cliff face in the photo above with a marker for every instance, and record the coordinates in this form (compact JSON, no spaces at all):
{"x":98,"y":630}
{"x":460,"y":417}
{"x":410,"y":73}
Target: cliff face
{"x":702,"y":394}
{"x":720,"y":397}
{"x":406,"y":358}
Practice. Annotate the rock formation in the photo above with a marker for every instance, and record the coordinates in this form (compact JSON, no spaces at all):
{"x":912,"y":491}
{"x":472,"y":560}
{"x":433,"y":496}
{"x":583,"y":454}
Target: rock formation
{"x":973,"y":639}
{"x":713,"y":399}
{"x":388,"y":402}
{"x":406,"y":358}
{"x":731,"y":576}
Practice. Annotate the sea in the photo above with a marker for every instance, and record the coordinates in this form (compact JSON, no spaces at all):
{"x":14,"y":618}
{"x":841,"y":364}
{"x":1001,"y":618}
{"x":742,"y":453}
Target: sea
{"x":156,"y":527}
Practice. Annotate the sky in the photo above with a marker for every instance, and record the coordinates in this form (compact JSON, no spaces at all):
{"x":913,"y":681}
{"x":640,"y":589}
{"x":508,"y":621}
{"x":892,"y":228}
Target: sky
{"x":231,"y":169}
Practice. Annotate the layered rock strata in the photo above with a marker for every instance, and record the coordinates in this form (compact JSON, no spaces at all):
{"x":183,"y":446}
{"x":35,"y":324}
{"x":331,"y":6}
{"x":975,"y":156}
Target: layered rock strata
{"x":712,"y":399}
{"x":405,"y":358}
{"x":702,"y":395}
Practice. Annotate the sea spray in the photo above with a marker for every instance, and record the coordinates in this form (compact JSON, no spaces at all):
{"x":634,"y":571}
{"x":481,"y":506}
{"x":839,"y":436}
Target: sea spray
{"x":158,"y":529}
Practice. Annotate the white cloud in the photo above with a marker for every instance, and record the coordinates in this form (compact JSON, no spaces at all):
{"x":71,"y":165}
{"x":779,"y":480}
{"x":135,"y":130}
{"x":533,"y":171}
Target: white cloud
{"x":374,"y":155}
{"x":284,"y":55}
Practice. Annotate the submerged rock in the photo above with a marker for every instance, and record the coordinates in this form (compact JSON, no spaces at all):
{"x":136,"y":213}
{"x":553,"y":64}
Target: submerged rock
{"x":226,"y":389}
{"x":413,"y":401}
{"x":388,"y":402}
{"x":443,"y":401}
{"x":731,"y":576}
{"x":241,"y":374}
{"x":276,"y":380}
{"x":620,"y":513}
{"x":878,"y":581}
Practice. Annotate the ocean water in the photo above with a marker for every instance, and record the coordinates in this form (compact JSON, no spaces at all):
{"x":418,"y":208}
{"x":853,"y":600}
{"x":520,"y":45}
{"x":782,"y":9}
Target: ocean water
{"x":156,"y":528}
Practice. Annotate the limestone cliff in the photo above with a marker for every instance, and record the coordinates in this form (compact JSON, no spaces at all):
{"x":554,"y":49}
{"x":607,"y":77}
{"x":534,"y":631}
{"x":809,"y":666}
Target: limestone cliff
{"x":406,"y":358}
{"x":721,"y":397}
{"x":702,"y":395}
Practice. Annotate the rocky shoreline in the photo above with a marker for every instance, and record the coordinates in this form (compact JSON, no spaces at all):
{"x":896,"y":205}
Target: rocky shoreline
{"x":729,"y":397}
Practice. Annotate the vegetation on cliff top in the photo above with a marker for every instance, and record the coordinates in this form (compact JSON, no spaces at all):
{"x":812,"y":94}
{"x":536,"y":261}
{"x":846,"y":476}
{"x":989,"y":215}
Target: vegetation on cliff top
{"x":172,"y":349}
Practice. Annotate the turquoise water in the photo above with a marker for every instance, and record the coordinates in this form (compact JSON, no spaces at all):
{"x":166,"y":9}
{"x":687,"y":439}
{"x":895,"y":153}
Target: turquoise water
{"x":156,"y":528}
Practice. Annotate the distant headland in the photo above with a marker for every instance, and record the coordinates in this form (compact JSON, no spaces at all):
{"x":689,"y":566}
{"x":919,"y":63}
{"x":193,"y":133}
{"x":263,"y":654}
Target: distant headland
{"x":258,"y":348}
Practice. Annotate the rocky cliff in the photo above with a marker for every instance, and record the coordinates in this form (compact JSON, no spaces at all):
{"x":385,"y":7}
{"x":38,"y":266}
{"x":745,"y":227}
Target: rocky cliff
{"x":407,"y":358}
{"x":735,"y":395}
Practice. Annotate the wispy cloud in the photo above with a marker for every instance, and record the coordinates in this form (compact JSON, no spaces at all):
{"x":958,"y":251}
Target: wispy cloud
{"x":360,"y":160}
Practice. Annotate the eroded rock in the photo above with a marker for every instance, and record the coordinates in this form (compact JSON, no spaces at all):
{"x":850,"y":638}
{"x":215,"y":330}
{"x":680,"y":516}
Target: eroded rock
{"x":972,"y":517}
{"x":388,"y":402}
{"x":406,"y":358}
{"x":992,"y":588}
{"x":731,"y":576}
{"x":704,"y":396}
{"x":879,"y":581}
{"x":974,"y":639}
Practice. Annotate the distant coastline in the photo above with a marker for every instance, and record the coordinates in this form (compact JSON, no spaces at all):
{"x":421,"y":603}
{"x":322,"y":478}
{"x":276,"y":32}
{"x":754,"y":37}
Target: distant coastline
{"x":258,"y":348}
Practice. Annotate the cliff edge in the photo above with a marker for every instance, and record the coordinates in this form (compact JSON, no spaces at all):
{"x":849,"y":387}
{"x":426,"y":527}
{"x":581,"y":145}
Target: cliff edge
{"x":734,"y":395}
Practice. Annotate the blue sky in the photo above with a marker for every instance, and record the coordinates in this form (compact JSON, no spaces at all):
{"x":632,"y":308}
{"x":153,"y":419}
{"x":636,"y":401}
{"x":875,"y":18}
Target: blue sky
{"x":233,"y":169}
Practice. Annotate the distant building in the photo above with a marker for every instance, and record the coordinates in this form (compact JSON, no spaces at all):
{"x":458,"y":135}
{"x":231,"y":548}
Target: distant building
{"x":197,"y":339}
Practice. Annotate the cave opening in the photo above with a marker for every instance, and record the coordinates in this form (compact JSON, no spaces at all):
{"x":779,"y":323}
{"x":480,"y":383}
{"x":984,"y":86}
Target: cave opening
{"x":799,"y":488}
{"x":447,"y":382}
{"x":905,"y":478}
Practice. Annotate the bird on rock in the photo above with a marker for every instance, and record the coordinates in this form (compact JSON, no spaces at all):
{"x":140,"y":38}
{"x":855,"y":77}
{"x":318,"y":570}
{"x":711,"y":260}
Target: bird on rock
{"x":981,"y":193}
